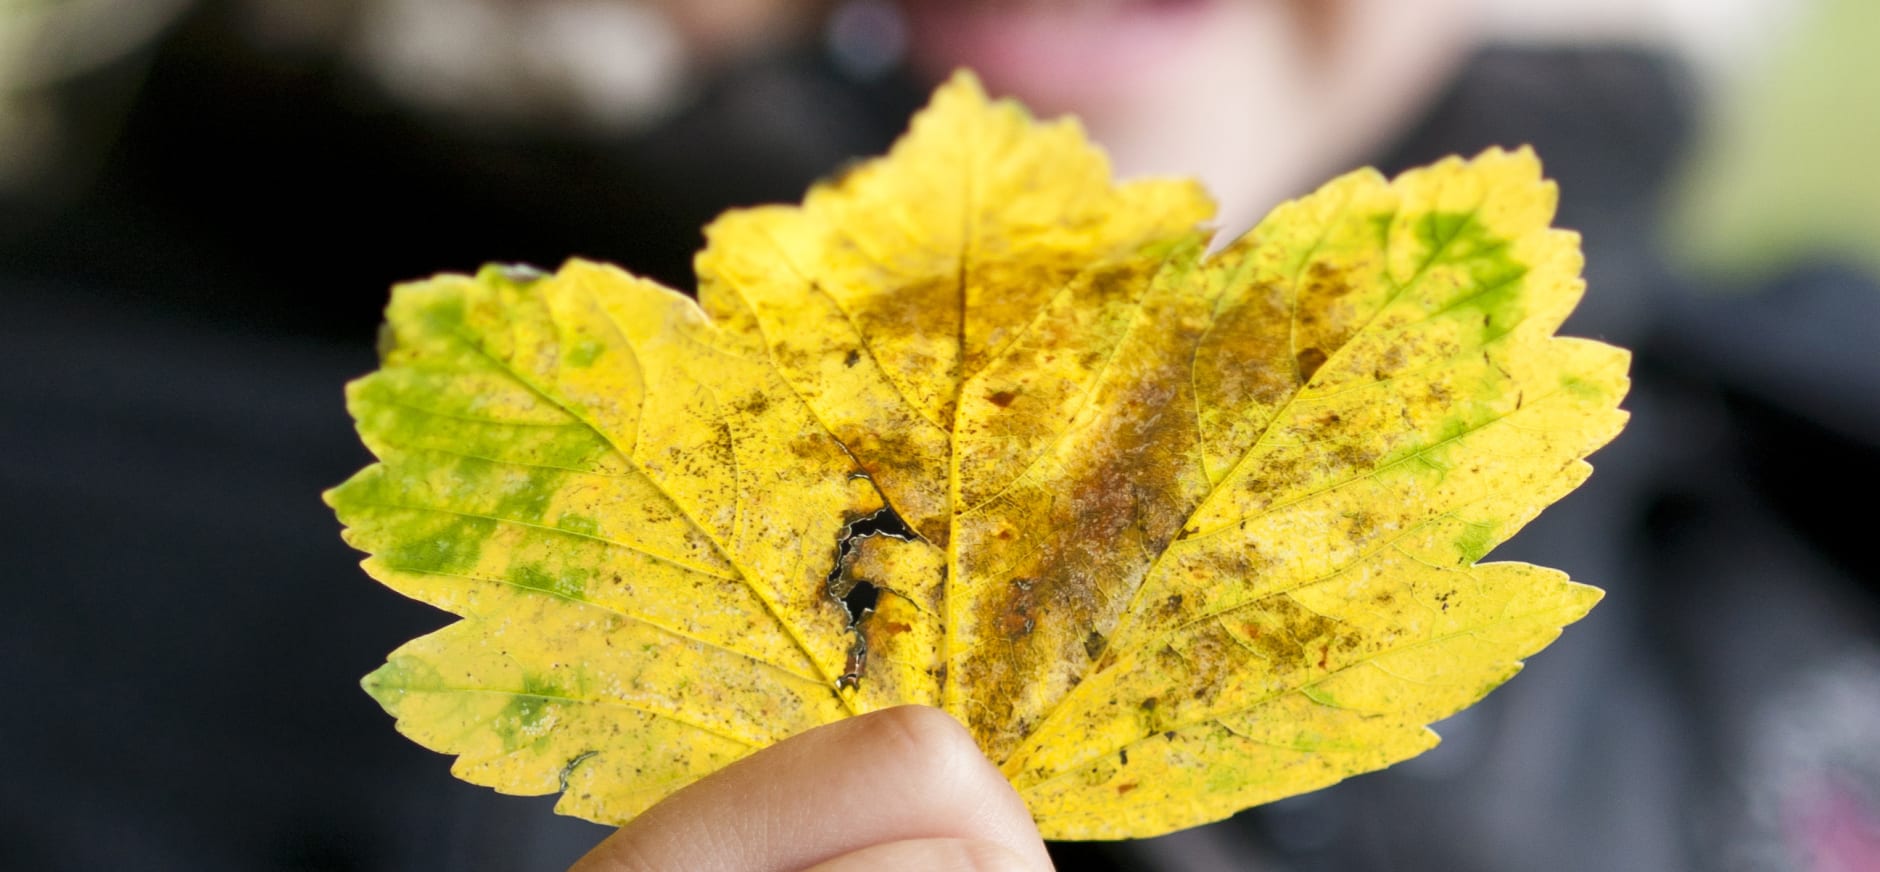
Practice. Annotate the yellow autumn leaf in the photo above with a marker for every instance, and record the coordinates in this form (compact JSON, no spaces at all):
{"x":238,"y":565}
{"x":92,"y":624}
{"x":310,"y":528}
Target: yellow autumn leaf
{"x":1172,"y":532}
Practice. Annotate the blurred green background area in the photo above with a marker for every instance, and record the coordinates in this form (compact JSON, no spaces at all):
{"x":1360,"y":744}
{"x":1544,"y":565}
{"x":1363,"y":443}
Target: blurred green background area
{"x":1785,"y":170}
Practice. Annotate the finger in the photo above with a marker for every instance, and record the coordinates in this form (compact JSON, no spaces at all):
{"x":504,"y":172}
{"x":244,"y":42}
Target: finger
{"x":901,"y":774}
{"x":928,"y":855}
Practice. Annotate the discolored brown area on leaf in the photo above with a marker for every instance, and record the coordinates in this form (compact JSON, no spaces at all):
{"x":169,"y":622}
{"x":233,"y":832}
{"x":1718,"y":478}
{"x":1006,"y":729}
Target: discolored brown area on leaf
{"x":1091,"y":507}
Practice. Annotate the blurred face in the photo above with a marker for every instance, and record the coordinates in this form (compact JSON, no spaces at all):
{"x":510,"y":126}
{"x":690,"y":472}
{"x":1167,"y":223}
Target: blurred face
{"x":1263,"y":99}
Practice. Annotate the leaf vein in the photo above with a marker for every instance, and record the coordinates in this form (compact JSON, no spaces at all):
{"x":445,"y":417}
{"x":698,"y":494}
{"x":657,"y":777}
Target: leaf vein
{"x":636,"y":618}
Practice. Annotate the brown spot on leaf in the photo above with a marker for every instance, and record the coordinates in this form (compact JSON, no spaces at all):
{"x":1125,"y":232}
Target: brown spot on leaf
{"x":1355,"y":457}
{"x":1288,"y":629}
{"x":1310,"y":359}
{"x":1325,"y":280}
{"x":1018,"y":619}
{"x":809,"y":447}
{"x":1002,"y":399}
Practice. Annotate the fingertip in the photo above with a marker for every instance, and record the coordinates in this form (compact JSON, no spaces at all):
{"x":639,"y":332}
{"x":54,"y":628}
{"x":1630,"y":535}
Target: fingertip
{"x":906,"y":773}
{"x":919,"y":743}
{"x":931,"y":855}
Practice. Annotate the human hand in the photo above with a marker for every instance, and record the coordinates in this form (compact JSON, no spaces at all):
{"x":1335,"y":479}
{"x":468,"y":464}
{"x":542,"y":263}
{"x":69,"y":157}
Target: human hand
{"x":903,"y":789}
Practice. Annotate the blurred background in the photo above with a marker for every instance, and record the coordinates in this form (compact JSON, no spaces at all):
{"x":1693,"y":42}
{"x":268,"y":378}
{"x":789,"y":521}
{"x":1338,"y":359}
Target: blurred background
{"x":204,"y":202}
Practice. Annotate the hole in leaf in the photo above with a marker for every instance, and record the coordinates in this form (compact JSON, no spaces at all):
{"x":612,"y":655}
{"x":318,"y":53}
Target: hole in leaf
{"x":860,"y":601}
{"x":884,"y":522}
{"x":857,"y":596}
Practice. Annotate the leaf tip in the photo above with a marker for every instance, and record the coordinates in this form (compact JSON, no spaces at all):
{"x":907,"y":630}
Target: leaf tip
{"x":1584,"y":596}
{"x":963,"y":81}
{"x":386,"y":685}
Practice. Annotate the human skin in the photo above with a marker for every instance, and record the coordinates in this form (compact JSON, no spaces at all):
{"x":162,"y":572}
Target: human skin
{"x":905,"y":788}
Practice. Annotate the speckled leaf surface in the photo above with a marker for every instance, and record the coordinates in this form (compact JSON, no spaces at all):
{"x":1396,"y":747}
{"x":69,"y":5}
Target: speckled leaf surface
{"x":1172,"y":532}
